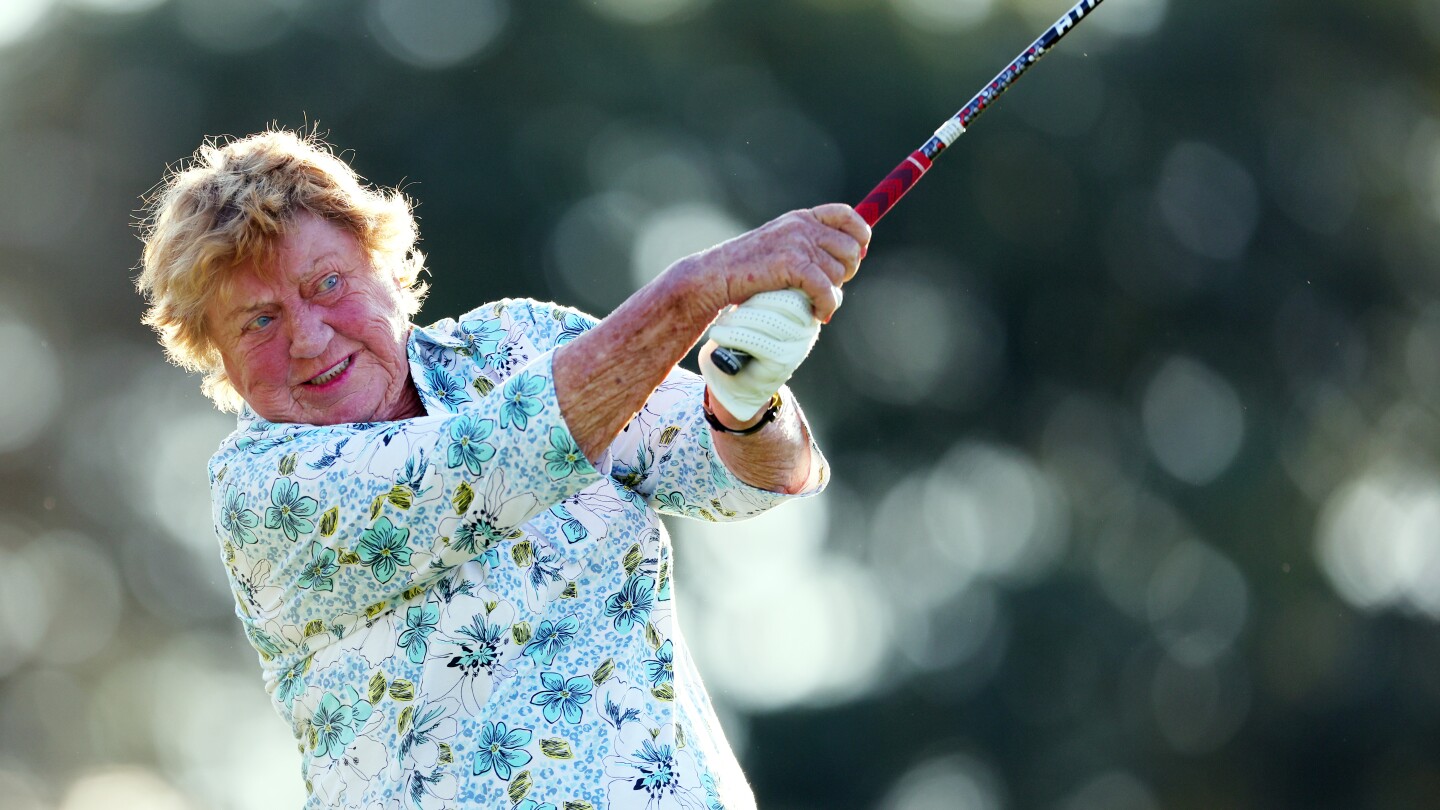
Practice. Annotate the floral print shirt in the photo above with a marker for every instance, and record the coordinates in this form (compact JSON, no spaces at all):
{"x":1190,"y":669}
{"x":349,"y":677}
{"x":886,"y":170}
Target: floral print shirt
{"x":460,"y":610}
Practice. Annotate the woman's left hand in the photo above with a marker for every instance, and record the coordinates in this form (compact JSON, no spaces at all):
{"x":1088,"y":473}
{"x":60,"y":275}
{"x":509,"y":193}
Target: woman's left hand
{"x":815,"y":250}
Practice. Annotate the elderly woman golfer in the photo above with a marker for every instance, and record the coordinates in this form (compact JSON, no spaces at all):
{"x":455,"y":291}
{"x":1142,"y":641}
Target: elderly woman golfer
{"x":445,"y":541}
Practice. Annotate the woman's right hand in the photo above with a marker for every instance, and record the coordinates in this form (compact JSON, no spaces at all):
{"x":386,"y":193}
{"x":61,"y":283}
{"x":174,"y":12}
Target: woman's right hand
{"x":604,"y":377}
{"x":815,"y":250}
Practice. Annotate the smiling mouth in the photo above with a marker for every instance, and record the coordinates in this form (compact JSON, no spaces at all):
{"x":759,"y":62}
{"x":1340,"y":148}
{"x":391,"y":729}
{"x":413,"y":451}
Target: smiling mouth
{"x":334,"y":372}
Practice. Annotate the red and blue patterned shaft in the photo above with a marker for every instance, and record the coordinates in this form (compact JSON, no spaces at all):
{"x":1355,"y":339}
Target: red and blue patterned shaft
{"x":900,"y":180}
{"x":903,"y":177}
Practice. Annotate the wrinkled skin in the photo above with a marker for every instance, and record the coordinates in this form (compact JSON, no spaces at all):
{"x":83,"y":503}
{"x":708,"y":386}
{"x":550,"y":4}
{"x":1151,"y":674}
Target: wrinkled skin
{"x":318,"y":336}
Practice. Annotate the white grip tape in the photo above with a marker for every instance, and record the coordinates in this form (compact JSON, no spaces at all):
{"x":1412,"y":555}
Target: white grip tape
{"x":949,"y":131}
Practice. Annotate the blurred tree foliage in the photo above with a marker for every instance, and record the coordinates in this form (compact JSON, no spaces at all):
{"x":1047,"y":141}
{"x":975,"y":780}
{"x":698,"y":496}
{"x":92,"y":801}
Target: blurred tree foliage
{"x":1253,"y":187}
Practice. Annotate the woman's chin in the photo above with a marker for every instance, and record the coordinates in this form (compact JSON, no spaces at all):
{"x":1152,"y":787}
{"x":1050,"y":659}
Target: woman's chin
{"x":342,"y":410}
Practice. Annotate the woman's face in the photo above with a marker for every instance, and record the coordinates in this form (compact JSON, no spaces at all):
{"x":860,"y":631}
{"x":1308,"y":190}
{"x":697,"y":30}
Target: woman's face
{"x":317,"y":336}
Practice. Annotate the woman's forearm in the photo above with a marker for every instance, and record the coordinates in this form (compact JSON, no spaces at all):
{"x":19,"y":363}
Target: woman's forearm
{"x":604,"y":377}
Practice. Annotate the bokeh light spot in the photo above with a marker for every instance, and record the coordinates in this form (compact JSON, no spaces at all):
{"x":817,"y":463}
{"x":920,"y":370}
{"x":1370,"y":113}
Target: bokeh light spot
{"x":964,"y":637}
{"x":178,"y":488}
{"x":30,"y":396}
{"x":1379,"y":538}
{"x":24,"y":610}
{"x":1199,"y":708}
{"x":904,"y":555}
{"x":646,"y":12}
{"x":830,"y":647}
{"x":955,"y":782}
{"x":436,"y":34}
{"x":1198,"y":603}
{"x":81,"y":596}
{"x":123,"y":787}
{"x":225,"y":26}
{"x":993,"y":511}
{"x":1208,"y":200}
{"x":1093,"y":448}
{"x":20,"y":18}
{"x":1133,"y":540}
{"x":910,"y":337}
{"x":1127,"y":18}
{"x":590,"y":250}
{"x":1112,"y":790}
{"x":207,"y":687}
{"x":658,"y":166}
{"x":676,"y":232}
{"x":1193,"y":420}
{"x":116,"y":6}
{"x":943,"y":15}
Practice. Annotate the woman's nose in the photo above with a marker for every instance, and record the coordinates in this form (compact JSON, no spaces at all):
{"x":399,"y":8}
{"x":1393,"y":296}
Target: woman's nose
{"x":309,"y":334}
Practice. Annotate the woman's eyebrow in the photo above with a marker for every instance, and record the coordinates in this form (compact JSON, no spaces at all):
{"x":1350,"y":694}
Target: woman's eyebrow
{"x":321,"y":265}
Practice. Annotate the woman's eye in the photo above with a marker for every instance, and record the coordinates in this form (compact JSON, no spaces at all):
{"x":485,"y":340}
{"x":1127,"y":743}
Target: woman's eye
{"x":259,"y":323}
{"x":331,"y":282}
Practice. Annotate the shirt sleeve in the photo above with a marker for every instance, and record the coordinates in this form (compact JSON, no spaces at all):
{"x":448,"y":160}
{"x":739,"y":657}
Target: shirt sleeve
{"x":667,"y":454}
{"x":322,"y":526}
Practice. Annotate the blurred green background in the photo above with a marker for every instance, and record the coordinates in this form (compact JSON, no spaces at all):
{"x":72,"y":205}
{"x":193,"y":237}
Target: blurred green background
{"x":1132,"y":410}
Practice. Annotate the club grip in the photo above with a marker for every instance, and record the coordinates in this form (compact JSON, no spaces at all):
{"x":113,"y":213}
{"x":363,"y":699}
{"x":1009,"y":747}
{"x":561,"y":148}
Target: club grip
{"x":900,"y":179}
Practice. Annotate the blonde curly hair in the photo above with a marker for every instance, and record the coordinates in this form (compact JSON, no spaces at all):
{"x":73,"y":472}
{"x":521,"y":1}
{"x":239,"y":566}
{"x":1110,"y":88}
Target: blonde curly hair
{"x":230,"y":204}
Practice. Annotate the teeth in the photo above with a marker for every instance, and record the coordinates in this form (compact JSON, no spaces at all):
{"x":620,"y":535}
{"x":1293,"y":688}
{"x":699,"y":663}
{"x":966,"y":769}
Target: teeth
{"x":332,"y":373}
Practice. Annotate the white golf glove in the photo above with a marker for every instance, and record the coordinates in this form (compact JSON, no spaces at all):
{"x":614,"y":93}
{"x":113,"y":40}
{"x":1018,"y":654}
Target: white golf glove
{"x":777,"y":330}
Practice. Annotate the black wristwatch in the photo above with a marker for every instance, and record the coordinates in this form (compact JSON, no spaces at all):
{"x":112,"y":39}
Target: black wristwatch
{"x":765,"y":419}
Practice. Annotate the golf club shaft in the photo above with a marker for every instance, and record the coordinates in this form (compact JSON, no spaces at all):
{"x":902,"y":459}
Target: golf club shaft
{"x":904,"y":176}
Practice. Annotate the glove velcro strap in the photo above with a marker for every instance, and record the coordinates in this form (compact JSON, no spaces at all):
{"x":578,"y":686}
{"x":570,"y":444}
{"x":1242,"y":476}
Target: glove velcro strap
{"x":766,"y":418}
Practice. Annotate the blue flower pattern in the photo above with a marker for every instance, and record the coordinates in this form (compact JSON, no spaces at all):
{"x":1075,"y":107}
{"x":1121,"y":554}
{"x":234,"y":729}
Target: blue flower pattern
{"x":502,"y":750}
{"x":563,"y":698}
{"x":479,"y":338}
{"x":551,"y":639}
{"x":383,"y":549}
{"x":320,"y":573}
{"x":420,"y":624}
{"x":522,"y":400}
{"x":467,"y":443}
{"x":432,"y":597}
{"x":632,"y":604}
{"x":237,"y":520}
{"x":661,"y":669}
{"x":445,"y":388}
{"x":289,"y":511}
